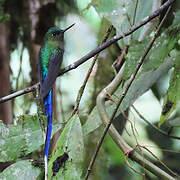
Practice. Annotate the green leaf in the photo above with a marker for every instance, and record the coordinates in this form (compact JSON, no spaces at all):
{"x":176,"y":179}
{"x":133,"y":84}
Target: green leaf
{"x":135,"y":52}
{"x":173,"y":96}
{"x":163,"y":47}
{"x":71,"y":142}
{"x":21,"y":139}
{"x":21,"y":170}
{"x":177,"y":18}
{"x":92,"y":123}
{"x":118,"y":11}
{"x":143,"y":82}
{"x":115,"y":154}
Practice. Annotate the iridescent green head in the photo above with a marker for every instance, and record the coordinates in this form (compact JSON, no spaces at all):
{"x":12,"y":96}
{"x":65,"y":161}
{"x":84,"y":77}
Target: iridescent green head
{"x":56,"y":34}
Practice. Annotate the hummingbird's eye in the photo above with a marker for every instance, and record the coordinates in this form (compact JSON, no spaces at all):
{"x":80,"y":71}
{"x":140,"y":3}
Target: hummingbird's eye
{"x":54,"y":34}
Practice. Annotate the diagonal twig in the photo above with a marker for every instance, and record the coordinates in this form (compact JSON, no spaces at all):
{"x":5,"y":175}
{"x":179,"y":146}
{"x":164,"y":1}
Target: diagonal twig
{"x":81,"y":90}
{"x":152,"y":125}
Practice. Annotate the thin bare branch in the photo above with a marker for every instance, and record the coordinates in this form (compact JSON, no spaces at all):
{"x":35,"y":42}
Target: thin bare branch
{"x":134,"y":16}
{"x":19,"y":93}
{"x":40,"y":114}
{"x":152,"y":125}
{"x":140,"y":146}
{"x":159,"y":160}
{"x":81,"y":90}
{"x":135,"y":11}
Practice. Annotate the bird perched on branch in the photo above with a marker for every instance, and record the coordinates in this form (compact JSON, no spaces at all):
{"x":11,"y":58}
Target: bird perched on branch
{"x":49,"y":61}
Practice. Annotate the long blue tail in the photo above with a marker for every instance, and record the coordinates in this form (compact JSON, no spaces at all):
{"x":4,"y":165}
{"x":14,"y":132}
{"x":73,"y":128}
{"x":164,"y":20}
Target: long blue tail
{"x":48,"y":106}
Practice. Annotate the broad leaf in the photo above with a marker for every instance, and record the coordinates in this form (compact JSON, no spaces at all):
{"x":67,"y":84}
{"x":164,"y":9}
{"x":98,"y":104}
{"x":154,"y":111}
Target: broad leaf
{"x":92,"y":123}
{"x":70,"y":142}
{"x":21,"y":170}
{"x":21,"y":139}
{"x":173,"y":96}
{"x":118,"y":12}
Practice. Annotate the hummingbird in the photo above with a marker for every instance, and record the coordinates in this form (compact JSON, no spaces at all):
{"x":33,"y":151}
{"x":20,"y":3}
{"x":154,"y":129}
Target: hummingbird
{"x":49,"y":62}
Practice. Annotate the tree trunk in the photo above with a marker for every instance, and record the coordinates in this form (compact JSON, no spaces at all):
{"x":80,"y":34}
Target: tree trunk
{"x":5,"y":108}
{"x":31,"y":18}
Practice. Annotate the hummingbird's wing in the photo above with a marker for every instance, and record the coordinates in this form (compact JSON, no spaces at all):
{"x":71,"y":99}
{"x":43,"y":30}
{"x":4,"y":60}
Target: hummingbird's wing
{"x":53,"y":71}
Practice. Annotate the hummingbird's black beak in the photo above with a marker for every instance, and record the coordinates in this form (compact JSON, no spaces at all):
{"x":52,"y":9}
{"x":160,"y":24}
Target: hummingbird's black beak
{"x":68,"y":28}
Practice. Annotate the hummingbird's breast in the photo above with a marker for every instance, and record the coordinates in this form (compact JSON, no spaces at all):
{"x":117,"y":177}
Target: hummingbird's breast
{"x":45,"y":55}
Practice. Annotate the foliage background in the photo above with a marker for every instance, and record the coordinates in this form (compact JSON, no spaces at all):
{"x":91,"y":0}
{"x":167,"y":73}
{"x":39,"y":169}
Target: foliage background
{"x":23,"y":24}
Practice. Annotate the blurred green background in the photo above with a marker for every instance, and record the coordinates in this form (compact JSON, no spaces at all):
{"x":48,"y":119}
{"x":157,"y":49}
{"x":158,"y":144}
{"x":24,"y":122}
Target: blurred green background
{"x":23,"y":24}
